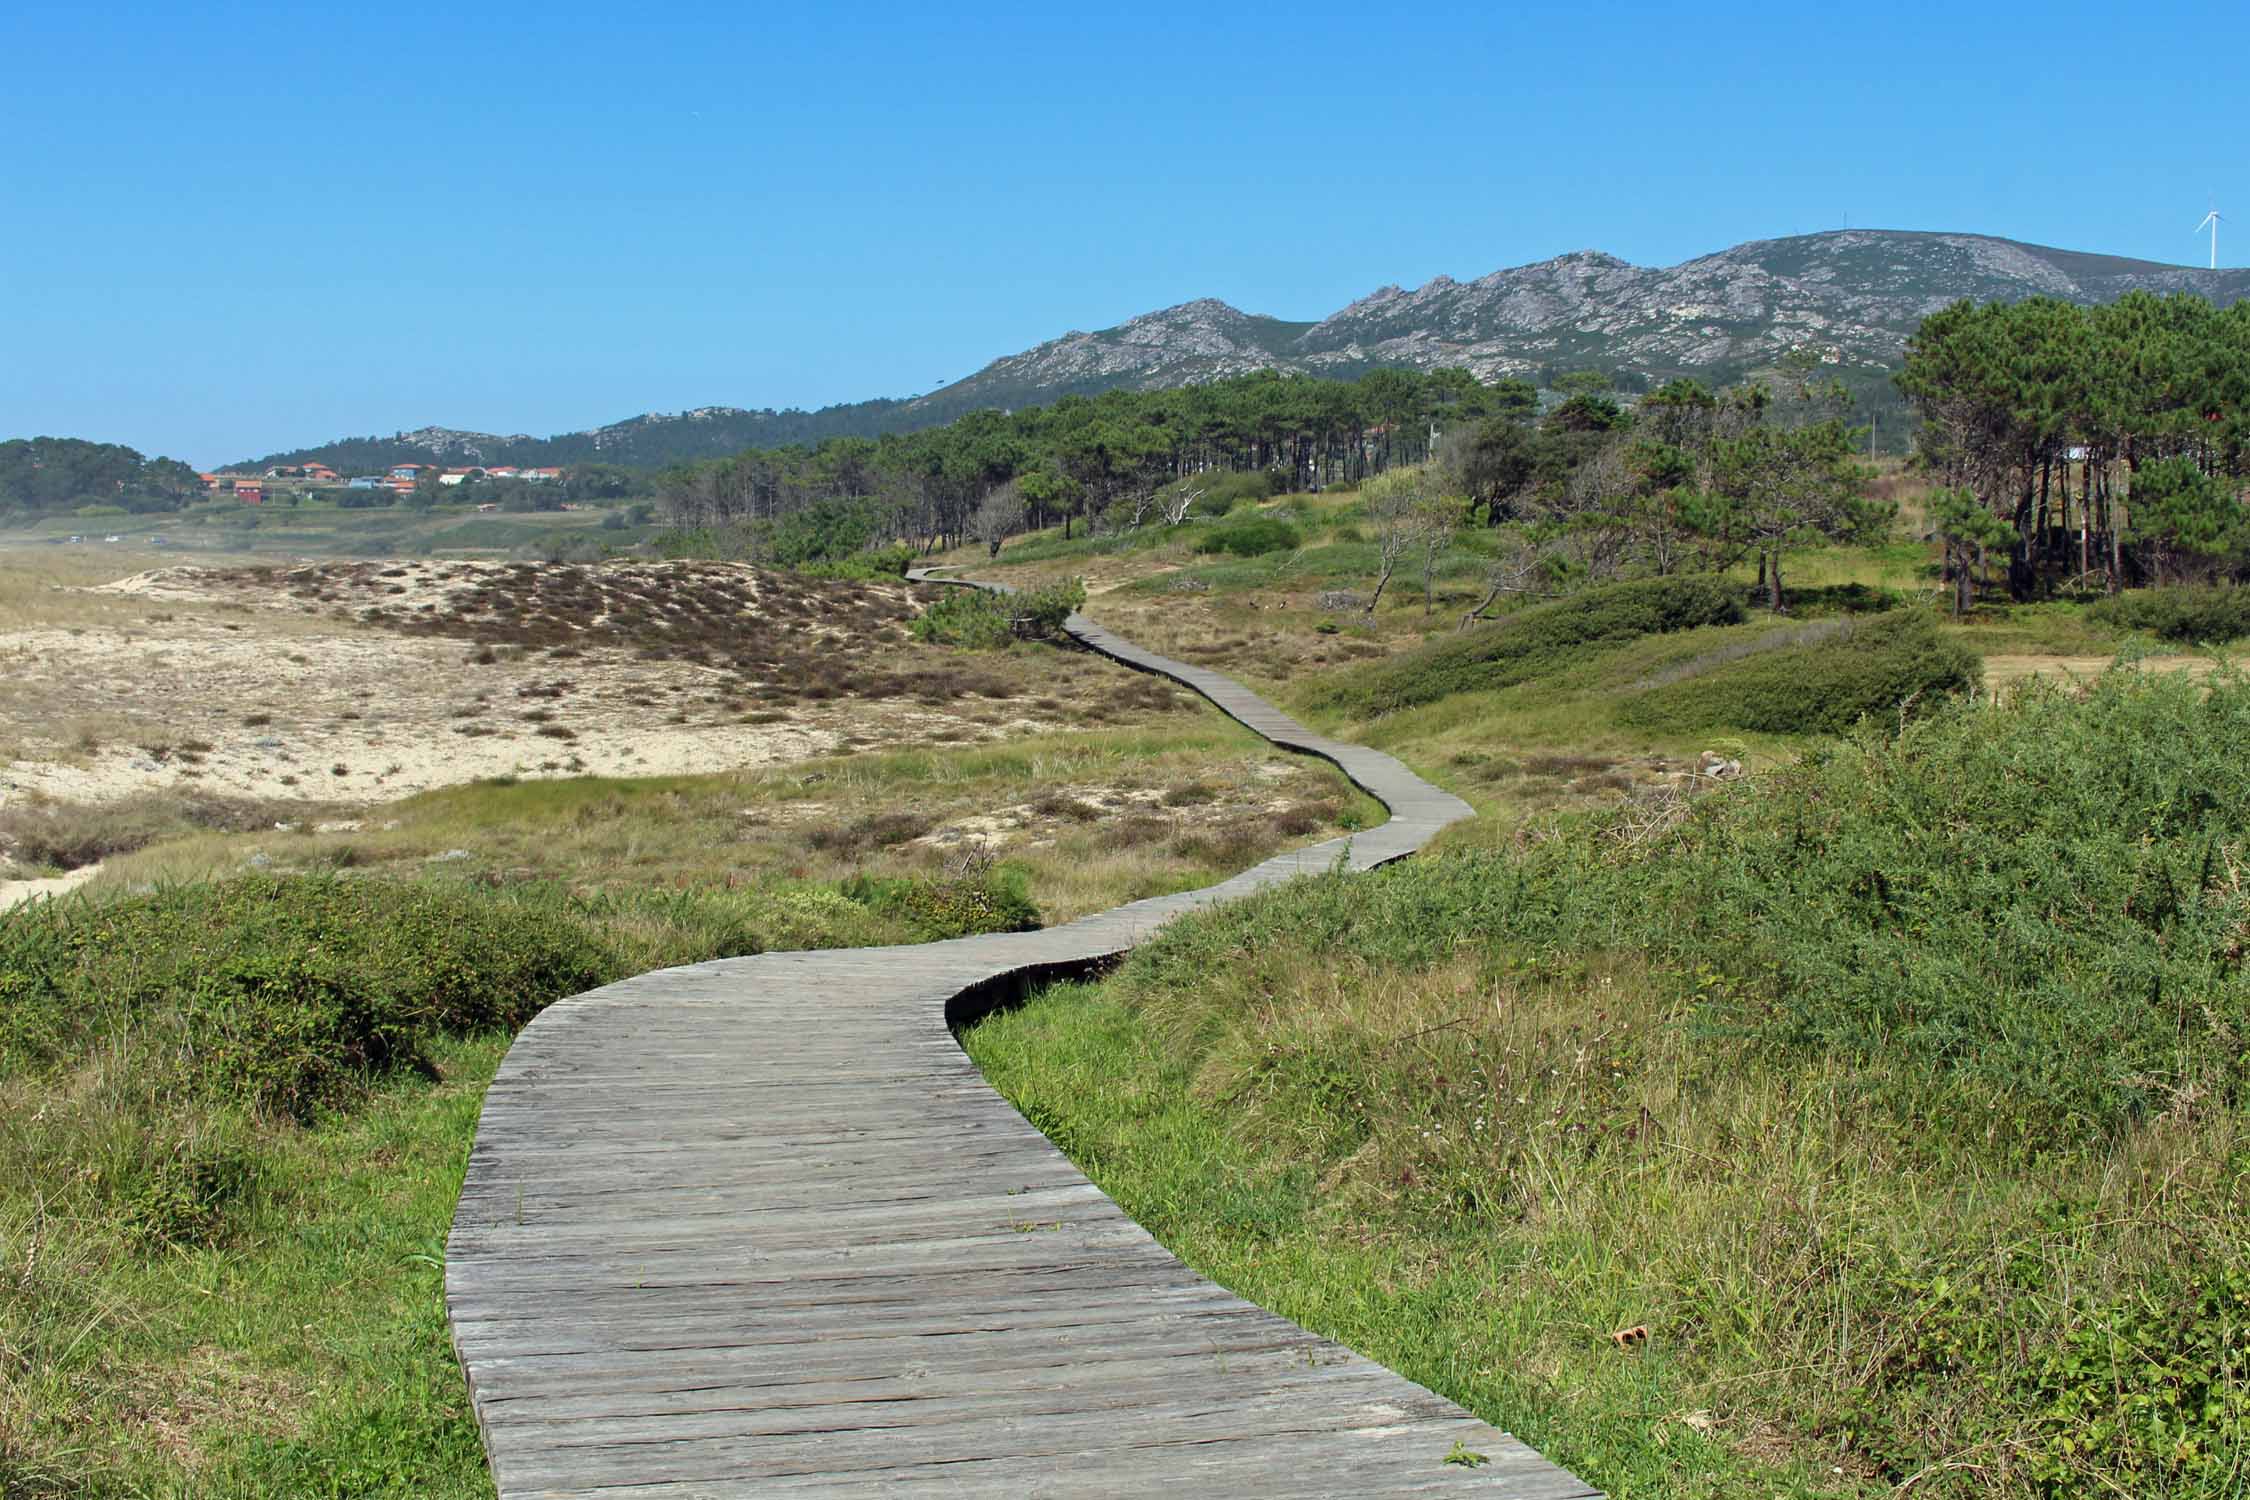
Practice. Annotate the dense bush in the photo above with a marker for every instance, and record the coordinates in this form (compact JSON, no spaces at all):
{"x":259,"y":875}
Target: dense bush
{"x":2028,"y":915}
{"x":981,"y":619}
{"x":1813,"y":679}
{"x":1253,"y":537}
{"x":1222,"y":492}
{"x":970,"y":618}
{"x":829,"y":539}
{"x":884,"y":562}
{"x":2190,"y":616}
{"x":1531,"y":643}
{"x":825,"y":531}
{"x":956,"y":906}
{"x":2030,"y":908}
{"x":281,"y":995}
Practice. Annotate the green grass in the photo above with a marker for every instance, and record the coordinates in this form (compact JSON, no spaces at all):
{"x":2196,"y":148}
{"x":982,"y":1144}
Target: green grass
{"x":2181,"y":616}
{"x":1511,"y":1324}
{"x":1857,"y":1088}
{"x":307,"y":1356}
{"x":232,"y":1126}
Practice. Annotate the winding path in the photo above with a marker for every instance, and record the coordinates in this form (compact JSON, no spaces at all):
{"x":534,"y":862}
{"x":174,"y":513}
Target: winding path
{"x":758,"y":1226}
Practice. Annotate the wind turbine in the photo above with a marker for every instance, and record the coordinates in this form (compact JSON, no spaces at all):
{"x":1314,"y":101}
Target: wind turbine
{"x":2212,"y":219}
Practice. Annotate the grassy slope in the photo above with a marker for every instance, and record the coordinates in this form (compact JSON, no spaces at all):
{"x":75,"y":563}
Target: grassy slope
{"x":1838,"y":1303}
{"x":1483,"y":1112}
{"x":307,"y":1356}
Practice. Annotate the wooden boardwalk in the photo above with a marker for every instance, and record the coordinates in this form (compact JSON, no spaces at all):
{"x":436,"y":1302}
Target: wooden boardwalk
{"x":758,"y":1226}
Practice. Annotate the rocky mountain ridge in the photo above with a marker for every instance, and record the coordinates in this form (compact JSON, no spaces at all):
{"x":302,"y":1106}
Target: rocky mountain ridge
{"x":1853,"y":296}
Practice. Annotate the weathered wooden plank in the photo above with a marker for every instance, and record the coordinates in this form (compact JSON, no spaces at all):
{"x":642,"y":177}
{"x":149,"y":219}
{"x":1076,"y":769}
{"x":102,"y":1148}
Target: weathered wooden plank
{"x":757,"y":1225}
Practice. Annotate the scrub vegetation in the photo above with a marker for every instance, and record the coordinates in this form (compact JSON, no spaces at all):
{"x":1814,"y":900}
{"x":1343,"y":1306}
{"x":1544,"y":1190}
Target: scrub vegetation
{"x":1874,"y":1124}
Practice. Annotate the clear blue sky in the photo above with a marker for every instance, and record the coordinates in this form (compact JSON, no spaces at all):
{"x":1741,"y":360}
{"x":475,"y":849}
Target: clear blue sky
{"x":227,"y":229}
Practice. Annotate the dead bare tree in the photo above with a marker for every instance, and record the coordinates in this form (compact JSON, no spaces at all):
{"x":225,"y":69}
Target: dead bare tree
{"x":1177,"y":503}
{"x":998,"y":516}
{"x":1522,"y":567}
{"x":1435,"y":527}
{"x":1395,"y":501}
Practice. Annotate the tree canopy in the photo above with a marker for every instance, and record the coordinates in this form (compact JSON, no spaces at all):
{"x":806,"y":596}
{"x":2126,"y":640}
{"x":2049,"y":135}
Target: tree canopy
{"x":2112,"y":442}
{"x":1082,"y":459}
{"x":46,"y":474}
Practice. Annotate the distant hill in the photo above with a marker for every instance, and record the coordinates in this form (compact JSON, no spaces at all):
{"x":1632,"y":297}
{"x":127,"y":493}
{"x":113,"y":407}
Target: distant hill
{"x":1854,"y":295}
{"x":649,"y":441}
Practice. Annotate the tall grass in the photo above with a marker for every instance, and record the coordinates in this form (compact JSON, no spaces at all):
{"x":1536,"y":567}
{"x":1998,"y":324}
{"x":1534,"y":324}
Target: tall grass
{"x":232,"y":1122}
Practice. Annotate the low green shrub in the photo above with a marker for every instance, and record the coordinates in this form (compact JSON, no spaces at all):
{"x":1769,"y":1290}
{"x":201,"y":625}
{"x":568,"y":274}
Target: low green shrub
{"x":1812,"y":679}
{"x":288,"y":1032}
{"x":185,"y":1188}
{"x":956,"y":906}
{"x":2188,"y":616}
{"x":2150,"y":1389}
{"x":1222,"y":492}
{"x":969,"y":618}
{"x":281,"y":995}
{"x":1039,"y":613}
{"x":1254,"y":537}
{"x":2028,"y":914}
{"x":983,"y":620}
{"x":1530,"y":643}
{"x":885,"y":562}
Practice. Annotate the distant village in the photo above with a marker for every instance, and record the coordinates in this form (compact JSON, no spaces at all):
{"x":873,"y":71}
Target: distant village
{"x":252,"y":489}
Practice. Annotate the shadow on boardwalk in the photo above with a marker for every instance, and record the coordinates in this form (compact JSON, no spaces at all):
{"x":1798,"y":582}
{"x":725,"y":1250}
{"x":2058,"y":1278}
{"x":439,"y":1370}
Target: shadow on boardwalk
{"x":758,"y":1226}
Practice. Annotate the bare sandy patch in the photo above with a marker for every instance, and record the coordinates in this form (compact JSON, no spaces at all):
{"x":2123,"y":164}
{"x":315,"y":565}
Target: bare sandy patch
{"x":16,"y":892}
{"x":360,"y":682}
{"x":362,"y":716}
{"x":2005,"y":671}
